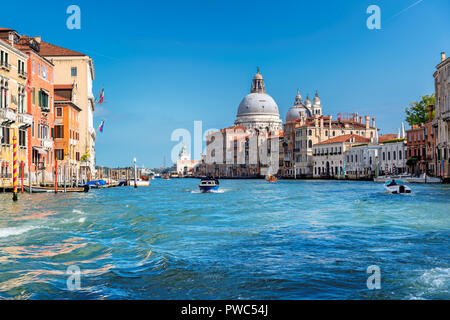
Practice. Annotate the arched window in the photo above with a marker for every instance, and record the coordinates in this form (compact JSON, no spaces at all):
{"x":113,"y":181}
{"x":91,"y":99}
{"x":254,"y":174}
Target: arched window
{"x":310,"y":144}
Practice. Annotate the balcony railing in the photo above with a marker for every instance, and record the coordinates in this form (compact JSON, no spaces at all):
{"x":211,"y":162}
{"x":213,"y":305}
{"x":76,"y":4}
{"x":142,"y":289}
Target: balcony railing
{"x":5,"y":66}
{"x":25,"y":120}
{"x":7,"y":116}
{"x":47,"y":143}
{"x":23,"y":74}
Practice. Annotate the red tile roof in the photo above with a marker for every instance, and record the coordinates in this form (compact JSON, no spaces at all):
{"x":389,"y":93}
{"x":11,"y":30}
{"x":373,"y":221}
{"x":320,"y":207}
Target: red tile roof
{"x":345,"y":138}
{"x":386,"y":137}
{"x":63,"y":86}
{"x":48,"y":49}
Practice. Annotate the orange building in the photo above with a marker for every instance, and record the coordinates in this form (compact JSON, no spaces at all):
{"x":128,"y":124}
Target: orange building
{"x":40,"y":106}
{"x":67,"y":131}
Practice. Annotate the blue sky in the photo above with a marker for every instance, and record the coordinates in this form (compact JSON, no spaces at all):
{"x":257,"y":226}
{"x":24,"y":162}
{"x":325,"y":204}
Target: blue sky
{"x":166,"y":64}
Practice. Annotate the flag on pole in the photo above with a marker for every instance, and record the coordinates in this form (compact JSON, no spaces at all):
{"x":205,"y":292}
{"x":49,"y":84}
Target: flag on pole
{"x":28,"y":87}
{"x":101,"y":126}
{"x":101,"y":95}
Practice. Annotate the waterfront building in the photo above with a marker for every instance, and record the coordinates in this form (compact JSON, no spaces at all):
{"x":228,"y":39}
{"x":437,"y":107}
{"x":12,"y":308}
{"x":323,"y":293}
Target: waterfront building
{"x":306,"y":126}
{"x":245,"y":149}
{"x":14,"y":116}
{"x":40,"y":104}
{"x":186,"y":166}
{"x":76,"y":68}
{"x":386,"y":156}
{"x":328,"y":155}
{"x":421,"y":148}
{"x":442,"y":121}
{"x":67,"y":132}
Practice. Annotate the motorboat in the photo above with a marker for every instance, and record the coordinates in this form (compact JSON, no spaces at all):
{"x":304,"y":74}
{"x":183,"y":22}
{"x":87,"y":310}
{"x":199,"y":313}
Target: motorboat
{"x":396,"y":187}
{"x":271,"y":178}
{"x":140,"y":183}
{"x":209,"y":185}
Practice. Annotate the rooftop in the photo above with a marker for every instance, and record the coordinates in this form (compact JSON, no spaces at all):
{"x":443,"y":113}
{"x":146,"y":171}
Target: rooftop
{"x":345,"y":138}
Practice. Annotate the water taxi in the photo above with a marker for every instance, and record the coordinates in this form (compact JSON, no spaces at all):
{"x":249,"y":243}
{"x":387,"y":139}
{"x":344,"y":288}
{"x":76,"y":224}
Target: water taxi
{"x":396,"y":187}
{"x":209,"y":185}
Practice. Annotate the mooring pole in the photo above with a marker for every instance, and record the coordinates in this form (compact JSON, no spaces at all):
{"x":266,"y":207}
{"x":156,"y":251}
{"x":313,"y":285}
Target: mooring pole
{"x":135,"y":174}
{"x":64,"y":177}
{"x":21,"y":172}
{"x":56,"y":176}
{"x":29,"y":177}
{"x":15,"y":168}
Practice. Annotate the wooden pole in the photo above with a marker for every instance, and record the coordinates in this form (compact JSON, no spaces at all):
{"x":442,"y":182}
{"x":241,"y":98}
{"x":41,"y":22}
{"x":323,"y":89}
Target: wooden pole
{"x":56,"y":176}
{"x":21,"y":172}
{"x":15,"y":168}
{"x":29,"y":177}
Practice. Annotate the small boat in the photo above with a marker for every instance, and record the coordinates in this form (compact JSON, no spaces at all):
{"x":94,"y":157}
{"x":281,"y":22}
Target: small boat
{"x":271,"y":178}
{"x":95,"y":184}
{"x":396,"y":187}
{"x":209,"y":185}
{"x":166,"y":177}
{"x":140,"y":183}
{"x":36,"y":189}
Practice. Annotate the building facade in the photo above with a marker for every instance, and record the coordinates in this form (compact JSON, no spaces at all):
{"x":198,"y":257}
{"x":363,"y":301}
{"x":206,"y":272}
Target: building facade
{"x":186,"y":166}
{"x":442,"y":121}
{"x":302,"y":133}
{"x":67,"y":132}
{"x":14,"y":116}
{"x":76,"y":68}
{"x":329,"y":155}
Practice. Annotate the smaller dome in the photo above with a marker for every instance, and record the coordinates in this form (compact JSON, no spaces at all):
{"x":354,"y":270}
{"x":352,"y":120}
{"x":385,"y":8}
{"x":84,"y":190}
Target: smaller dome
{"x":316,"y":99}
{"x":308,"y":102}
{"x":298,"y":110}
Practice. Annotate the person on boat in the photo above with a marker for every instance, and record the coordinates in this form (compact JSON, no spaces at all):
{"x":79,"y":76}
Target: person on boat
{"x":392,"y":183}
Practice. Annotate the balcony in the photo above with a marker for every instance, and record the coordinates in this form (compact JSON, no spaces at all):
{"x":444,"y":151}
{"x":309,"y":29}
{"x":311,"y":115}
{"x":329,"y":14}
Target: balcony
{"x":23,"y":74}
{"x":446,"y":116}
{"x":25,"y":120}
{"x":47,"y":144}
{"x":5,"y":66}
{"x":7,"y":116}
{"x":92,"y":132}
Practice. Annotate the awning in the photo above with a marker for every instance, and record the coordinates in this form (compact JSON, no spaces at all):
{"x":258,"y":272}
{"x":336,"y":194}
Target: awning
{"x":40,"y":150}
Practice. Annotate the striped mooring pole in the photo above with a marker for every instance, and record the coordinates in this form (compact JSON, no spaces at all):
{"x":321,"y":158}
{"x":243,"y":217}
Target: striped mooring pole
{"x":15,"y":168}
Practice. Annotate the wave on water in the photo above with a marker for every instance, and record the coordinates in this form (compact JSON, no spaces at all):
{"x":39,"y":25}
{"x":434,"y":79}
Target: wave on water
{"x":14,"y":231}
{"x":78,"y":211}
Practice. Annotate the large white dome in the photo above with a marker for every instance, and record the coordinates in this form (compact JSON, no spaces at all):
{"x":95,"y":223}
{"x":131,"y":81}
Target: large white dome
{"x":258,"y":110}
{"x":258,"y":103}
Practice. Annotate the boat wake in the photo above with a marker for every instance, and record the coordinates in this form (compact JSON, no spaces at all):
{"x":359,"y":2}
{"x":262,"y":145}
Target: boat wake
{"x":14,"y":231}
{"x":212,"y":191}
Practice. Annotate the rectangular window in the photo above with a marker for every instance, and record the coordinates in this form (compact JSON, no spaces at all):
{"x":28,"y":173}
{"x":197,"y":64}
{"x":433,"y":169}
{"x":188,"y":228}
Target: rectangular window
{"x":22,"y":139}
{"x":59,"y":154}
{"x":59,"y":112}
{"x":73,"y":71}
{"x":59,"y":132}
{"x":32,"y":129}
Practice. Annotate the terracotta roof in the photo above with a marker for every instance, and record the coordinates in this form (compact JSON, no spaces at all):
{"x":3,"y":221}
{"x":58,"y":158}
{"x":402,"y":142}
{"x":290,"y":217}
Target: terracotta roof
{"x":386,"y":137}
{"x":345,"y":138}
{"x":48,"y":49}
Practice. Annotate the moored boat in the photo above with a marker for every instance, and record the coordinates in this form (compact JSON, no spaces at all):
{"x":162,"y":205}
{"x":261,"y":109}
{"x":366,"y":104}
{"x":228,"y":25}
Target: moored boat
{"x":209,"y":185}
{"x":36,"y":189}
{"x":140,"y":183}
{"x":271,"y":178}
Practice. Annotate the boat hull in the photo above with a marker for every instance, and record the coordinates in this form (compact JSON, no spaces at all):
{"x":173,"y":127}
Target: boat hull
{"x":205,"y":189}
{"x":398,"y":189}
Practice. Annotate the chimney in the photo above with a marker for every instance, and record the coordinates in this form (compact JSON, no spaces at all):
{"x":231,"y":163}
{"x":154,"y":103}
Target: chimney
{"x":321,"y":122}
{"x":38,"y":39}
{"x":331,"y":118}
{"x":367,"y":122}
{"x":442,"y":56}
{"x":373,"y":122}
{"x":430,"y":112}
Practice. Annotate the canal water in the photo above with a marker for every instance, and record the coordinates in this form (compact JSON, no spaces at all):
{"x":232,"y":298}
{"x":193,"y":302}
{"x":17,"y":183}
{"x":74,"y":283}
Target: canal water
{"x":251,"y":240}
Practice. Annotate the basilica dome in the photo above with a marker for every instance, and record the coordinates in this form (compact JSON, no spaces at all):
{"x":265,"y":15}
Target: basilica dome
{"x":258,"y":110}
{"x":257,"y":103}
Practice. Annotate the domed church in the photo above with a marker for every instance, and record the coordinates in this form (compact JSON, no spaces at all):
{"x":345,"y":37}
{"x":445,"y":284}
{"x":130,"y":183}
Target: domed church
{"x":304,"y":110}
{"x":258,"y":110}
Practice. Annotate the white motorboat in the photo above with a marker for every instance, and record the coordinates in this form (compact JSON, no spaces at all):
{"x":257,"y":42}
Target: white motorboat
{"x":396,"y":187}
{"x":140,"y":183}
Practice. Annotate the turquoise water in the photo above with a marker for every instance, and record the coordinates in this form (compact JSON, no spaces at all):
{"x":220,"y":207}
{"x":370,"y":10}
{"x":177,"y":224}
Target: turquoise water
{"x":253,"y":240}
